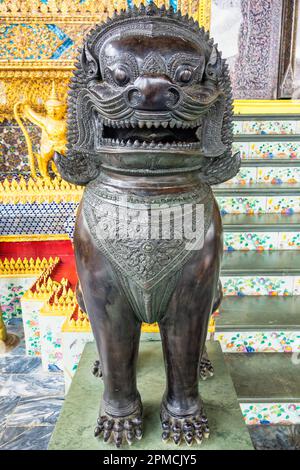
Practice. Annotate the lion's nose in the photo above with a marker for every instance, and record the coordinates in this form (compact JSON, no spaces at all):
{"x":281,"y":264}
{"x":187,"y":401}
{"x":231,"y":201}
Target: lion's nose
{"x":153,"y":94}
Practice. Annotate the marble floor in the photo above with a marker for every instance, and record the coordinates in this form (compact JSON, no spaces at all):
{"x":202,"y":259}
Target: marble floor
{"x":30,"y":399}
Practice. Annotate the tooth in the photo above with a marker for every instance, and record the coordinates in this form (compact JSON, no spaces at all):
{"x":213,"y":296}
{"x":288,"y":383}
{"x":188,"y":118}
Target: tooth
{"x":140,"y":124}
{"x":128,"y":143}
{"x":136,"y":143}
{"x":144,"y":144}
{"x":152,"y":144}
{"x":164,"y":124}
{"x":178,"y":124}
{"x":172,"y":124}
{"x":148,"y":124}
{"x":127,"y":124}
{"x":122,"y":143}
{"x":117,"y":141}
{"x":156,"y":125}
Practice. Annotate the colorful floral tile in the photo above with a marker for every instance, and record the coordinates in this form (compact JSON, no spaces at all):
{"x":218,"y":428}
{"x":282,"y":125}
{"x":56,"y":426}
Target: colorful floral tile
{"x":11,"y":290}
{"x":242,"y":205}
{"x":269,"y":127}
{"x":258,"y":285}
{"x":259,"y":341}
{"x":251,"y":241}
{"x":289,"y":241}
{"x":271,"y":413}
{"x":278,"y":175}
{"x":269,"y":150}
{"x":283,"y":204}
{"x":30,"y":314}
{"x":72,"y":347}
{"x":244,"y":176}
{"x":51,"y":342}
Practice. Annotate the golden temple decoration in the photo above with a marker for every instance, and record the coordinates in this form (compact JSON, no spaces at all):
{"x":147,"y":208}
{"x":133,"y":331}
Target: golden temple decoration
{"x":12,"y":267}
{"x":61,"y":303}
{"x":53,"y":127}
{"x":3,"y":332}
{"x":77,"y":322}
{"x":38,"y":190}
{"x":44,"y":286}
{"x":32,"y":86}
{"x":8,"y":341}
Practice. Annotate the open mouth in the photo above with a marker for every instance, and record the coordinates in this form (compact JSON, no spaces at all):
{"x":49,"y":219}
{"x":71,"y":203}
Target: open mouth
{"x":147,"y":134}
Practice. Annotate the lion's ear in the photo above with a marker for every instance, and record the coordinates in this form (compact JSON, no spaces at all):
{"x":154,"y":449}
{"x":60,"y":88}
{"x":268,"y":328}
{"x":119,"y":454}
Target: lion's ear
{"x":213,"y":68}
{"x":89,"y":63}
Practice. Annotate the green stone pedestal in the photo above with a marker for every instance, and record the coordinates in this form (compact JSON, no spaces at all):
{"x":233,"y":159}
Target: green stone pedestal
{"x":75,"y":426}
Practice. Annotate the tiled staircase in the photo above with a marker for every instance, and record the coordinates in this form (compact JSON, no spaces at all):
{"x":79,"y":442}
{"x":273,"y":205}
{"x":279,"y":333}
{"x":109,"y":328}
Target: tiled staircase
{"x":259,"y":321}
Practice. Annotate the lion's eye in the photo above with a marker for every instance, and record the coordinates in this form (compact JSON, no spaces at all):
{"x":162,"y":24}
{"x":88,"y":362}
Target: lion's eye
{"x":121,"y":76}
{"x":184,"y":75}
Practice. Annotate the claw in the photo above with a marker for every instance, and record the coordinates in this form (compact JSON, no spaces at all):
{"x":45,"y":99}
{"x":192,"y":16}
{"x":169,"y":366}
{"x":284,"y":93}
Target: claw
{"x":119,"y":430}
{"x":129,"y":437}
{"x":128,"y":425}
{"x":165,"y":436}
{"x":177,"y":439}
{"x":137,"y":421}
{"x":108,"y":425}
{"x":118,"y":439}
{"x":176,"y":428}
{"x":187,"y":427}
{"x":199,"y":437}
{"x":165,"y":425}
{"x":138,"y":433}
{"x":118,"y":427}
{"x":188,"y":438}
{"x":98,"y":431}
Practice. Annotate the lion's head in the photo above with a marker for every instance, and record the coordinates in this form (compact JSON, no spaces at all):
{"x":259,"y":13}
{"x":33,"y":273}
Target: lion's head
{"x":150,"y":94}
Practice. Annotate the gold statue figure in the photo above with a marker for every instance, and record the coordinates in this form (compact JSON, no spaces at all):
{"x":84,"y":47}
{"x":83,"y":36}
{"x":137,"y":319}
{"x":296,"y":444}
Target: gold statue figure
{"x":8,"y":341}
{"x":53,"y":126}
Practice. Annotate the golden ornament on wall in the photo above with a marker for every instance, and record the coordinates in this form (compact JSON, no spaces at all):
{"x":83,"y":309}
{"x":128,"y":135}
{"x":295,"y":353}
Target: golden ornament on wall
{"x":53,"y":131}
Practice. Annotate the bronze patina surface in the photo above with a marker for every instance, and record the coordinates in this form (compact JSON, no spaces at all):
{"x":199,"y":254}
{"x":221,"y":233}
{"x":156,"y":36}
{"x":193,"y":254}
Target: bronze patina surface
{"x":149,"y":126}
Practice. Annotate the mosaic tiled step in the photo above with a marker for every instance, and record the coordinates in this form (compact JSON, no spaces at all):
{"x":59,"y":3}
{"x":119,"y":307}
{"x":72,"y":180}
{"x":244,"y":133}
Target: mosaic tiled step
{"x":261,"y":231}
{"x":261,"y":222}
{"x":274,"y":163}
{"x":258,"y":189}
{"x":259,"y":313}
{"x":261,"y":273}
{"x":265,"y":378}
{"x":259,"y":324}
{"x":267,"y":149}
{"x":283,"y":126}
{"x":267,"y":341}
{"x":271,"y":263}
{"x":257,"y":204}
{"x":261,"y":241}
{"x":275,"y":176}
